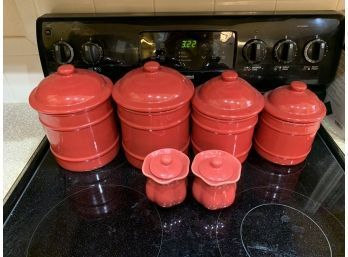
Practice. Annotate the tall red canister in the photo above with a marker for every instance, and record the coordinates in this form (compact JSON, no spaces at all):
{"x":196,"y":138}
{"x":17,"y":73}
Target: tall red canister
{"x":75,"y":109}
{"x":225,"y":112}
{"x":153,"y":104}
{"x":288,"y":124}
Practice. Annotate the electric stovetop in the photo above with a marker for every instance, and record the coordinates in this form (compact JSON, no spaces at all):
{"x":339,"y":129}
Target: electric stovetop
{"x":279,"y":211}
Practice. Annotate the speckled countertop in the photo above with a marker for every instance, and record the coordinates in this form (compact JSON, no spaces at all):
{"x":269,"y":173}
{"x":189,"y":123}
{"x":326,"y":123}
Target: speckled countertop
{"x":22,"y":135}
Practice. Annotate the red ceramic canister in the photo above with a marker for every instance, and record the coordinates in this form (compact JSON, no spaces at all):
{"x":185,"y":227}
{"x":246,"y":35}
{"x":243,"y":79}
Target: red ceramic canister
{"x":75,"y":109}
{"x":153,"y":104}
{"x":217,"y":173}
{"x":288,"y":124}
{"x":166,"y":170}
{"x":225,"y":112}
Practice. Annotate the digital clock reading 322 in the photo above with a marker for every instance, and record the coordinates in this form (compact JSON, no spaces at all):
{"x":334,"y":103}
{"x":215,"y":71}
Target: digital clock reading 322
{"x":188,"y":43}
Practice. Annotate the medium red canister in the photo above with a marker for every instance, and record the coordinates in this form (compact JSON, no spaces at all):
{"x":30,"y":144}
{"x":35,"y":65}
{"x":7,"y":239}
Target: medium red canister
{"x":76,"y":112}
{"x":153,"y":104}
{"x":217,"y":173}
{"x":166,"y":171}
{"x":225,"y":112}
{"x":288,"y":124}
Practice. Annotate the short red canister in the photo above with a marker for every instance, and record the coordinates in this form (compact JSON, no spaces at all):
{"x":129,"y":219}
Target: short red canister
{"x":153,"y":104}
{"x":75,"y":109}
{"x":166,"y":171}
{"x":225,"y":112}
{"x":217,"y":173}
{"x":288,"y":124}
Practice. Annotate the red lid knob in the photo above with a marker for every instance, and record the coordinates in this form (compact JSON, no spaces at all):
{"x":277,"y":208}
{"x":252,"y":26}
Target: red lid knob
{"x":298,"y":86}
{"x":151,"y":66}
{"x":66,"y":69}
{"x":229,"y":75}
{"x":166,"y":159}
{"x":216,"y":162}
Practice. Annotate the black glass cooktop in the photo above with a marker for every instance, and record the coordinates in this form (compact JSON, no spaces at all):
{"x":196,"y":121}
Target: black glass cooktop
{"x":279,"y":212}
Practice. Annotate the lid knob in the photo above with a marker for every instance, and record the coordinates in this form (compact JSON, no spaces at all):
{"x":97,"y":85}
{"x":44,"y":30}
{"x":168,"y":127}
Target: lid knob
{"x":166,"y":159}
{"x":66,"y":69}
{"x":216,"y":162}
{"x":151,"y":66}
{"x":229,"y":75}
{"x":298,"y":86}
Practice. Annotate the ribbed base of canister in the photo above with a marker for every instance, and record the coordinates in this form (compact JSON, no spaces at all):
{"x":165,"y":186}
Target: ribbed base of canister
{"x":277,"y":159}
{"x":241,"y":157}
{"x":137,"y":161}
{"x":88,"y":163}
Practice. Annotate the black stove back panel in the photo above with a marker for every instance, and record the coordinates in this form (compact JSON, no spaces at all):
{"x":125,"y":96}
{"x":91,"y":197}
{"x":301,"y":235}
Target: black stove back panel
{"x":267,"y":50}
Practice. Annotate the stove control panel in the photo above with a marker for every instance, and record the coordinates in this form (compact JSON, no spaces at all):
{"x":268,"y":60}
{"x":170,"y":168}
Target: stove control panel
{"x":267,"y":50}
{"x":254,"y":51}
{"x":285,"y":51}
{"x":315,"y":50}
{"x":91,"y":53}
{"x":62,"y":52}
{"x":189,"y":50}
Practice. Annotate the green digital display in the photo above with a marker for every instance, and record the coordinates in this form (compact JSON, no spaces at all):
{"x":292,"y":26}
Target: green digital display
{"x":189,"y":43}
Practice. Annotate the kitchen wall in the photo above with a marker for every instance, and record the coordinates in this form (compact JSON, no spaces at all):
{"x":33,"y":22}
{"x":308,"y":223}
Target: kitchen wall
{"x":22,"y":70}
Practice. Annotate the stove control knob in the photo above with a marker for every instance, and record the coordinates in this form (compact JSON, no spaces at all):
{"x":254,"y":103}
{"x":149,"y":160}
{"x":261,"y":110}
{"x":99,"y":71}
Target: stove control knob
{"x":254,"y":51}
{"x":315,"y":50}
{"x":91,"y":53}
{"x":63,"y":52}
{"x":285,"y":51}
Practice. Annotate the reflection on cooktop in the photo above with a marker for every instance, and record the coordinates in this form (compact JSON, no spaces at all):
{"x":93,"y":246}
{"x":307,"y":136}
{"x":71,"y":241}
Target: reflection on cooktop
{"x":280,"y":230}
{"x":256,"y":227}
{"x":133,"y":229}
{"x":278,"y":182}
{"x":278,"y":211}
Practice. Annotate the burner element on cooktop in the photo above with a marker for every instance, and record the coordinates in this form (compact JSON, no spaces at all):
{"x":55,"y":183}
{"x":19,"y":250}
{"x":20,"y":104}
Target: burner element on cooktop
{"x":133,"y":229}
{"x":257,"y":227}
{"x":281,"y":230}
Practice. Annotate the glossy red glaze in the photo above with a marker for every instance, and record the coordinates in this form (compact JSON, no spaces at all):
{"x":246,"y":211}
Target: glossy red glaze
{"x":217,"y":173}
{"x":225,"y":112}
{"x":154,"y":107}
{"x":213,"y":198}
{"x":166,"y":195}
{"x":166,"y":170}
{"x":288,"y":124}
{"x":76,"y":113}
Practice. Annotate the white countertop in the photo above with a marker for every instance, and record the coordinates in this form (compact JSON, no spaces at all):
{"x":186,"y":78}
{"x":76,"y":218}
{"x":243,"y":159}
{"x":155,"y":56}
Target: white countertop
{"x":22,"y":135}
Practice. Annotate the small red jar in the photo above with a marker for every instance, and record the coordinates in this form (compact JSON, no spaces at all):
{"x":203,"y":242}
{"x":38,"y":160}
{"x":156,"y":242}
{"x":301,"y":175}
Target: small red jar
{"x":166,"y":170}
{"x":217,"y":173}
{"x":225,"y":112}
{"x":153,"y":104}
{"x":288,"y":124}
{"x":74,"y":107}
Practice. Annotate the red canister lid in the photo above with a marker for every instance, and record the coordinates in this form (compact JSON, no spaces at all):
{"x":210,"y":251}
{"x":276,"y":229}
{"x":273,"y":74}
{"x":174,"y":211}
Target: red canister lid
{"x":294,"y":103}
{"x":228,"y":96}
{"x":216,"y":167}
{"x":70,"y":90}
{"x":166,"y":165}
{"x":152,"y":88}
